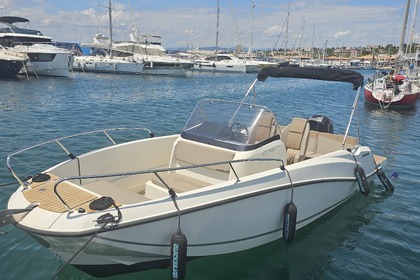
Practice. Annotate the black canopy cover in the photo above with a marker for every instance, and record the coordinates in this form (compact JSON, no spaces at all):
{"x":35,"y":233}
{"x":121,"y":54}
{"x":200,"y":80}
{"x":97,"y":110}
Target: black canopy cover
{"x":325,"y":74}
{"x":11,"y":19}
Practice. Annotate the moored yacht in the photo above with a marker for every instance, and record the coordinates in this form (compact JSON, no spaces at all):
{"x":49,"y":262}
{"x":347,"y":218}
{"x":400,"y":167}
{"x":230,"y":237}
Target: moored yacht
{"x":44,"y":58}
{"x":225,"y":62}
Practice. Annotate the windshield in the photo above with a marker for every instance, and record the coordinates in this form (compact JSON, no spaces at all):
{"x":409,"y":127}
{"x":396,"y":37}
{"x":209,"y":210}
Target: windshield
{"x":230,"y":124}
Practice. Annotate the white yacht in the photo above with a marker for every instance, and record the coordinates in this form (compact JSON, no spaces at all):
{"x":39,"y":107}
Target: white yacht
{"x":44,"y":58}
{"x":225,"y":62}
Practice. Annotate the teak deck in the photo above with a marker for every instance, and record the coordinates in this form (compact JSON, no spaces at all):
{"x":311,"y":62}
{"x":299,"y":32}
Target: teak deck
{"x":43,"y":194}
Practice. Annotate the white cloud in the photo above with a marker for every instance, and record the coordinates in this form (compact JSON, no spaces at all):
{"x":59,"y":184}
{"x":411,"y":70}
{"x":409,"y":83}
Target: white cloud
{"x":341,"y":34}
{"x":272,"y":31}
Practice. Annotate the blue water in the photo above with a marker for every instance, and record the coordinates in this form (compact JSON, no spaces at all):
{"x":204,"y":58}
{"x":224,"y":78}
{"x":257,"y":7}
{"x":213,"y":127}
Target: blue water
{"x":367,"y":238}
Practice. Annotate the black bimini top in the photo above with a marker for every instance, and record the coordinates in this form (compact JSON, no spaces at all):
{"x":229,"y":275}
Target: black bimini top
{"x":11,"y":19}
{"x":325,"y":74}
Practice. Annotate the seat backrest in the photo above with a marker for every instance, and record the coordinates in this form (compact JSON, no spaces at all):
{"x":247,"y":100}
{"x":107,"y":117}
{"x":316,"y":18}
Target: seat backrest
{"x":265,"y":127}
{"x":297,"y":138}
{"x":187,"y":153}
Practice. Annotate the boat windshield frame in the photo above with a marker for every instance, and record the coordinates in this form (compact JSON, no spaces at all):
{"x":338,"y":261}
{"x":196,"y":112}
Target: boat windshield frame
{"x":230,"y":124}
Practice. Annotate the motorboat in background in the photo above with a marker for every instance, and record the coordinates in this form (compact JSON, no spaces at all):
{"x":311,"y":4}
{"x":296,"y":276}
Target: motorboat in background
{"x":11,"y":34}
{"x":226,"y":62}
{"x":11,"y":63}
{"x":233,"y":179}
{"x":44,"y":58}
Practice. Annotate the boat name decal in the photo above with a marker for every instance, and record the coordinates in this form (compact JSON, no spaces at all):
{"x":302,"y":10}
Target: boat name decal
{"x":175,"y":262}
{"x":269,"y":151}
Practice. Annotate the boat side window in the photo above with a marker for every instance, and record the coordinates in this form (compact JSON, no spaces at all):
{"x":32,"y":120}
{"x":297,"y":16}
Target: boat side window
{"x":41,"y":57}
{"x":5,"y":30}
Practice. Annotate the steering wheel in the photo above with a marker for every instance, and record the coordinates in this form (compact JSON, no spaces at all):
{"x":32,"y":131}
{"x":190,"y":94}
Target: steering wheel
{"x":240,"y":132}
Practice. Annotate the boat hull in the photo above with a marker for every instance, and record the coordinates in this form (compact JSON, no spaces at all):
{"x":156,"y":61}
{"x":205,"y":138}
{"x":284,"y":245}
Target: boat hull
{"x":10,"y":68}
{"x":406,"y":101}
{"x":107,"y":65}
{"x":220,"y":67}
{"x":254,"y":205}
{"x":170,"y":68}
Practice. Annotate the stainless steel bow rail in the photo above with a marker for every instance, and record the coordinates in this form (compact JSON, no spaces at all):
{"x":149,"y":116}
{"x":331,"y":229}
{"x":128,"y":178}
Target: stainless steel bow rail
{"x":58,"y":141}
{"x":155,"y":171}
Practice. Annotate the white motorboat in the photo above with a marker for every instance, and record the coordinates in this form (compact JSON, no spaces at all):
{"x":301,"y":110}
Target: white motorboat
{"x":11,"y":33}
{"x":233,"y":179}
{"x":225,"y":62}
{"x":45,"y":60}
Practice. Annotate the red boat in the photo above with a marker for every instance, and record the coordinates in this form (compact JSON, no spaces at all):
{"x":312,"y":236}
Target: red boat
{"x":401,"y":93}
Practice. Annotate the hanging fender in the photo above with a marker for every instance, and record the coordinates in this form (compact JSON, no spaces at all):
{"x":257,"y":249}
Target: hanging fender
{"x":289,"y":222}
{"x":384,"y":180}
{"x":178,"y":260}
{"x":359,"y":172}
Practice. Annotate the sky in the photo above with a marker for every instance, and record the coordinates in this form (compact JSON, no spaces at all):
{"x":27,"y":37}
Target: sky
{"x":192,"y":23}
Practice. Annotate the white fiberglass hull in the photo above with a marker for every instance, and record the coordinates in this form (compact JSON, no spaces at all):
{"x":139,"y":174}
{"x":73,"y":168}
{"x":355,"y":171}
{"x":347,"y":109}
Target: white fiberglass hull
{"x":156,"y":65}
{"x":224,"y":218}
{"x":220,"y":66}
{"x":114,"y":65}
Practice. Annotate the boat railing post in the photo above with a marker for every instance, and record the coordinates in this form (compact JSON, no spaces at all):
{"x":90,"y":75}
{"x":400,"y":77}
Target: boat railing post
{"x":70,"y":155}
{"x":234,"y":172}
{"x":109,"y":137}
{"x":13,"y":172}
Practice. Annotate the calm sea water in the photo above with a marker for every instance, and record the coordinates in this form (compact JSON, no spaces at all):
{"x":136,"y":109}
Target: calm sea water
{"x":367,"y":238}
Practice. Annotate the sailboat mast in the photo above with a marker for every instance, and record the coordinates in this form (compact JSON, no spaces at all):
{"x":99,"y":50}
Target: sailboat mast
{"x":110,"y":27}
{"x":407,"y":8}
{"x":252,"y":32}
{"x":286,"y":40}
{"x":413,"y":27}
{"x":217,"y":26}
